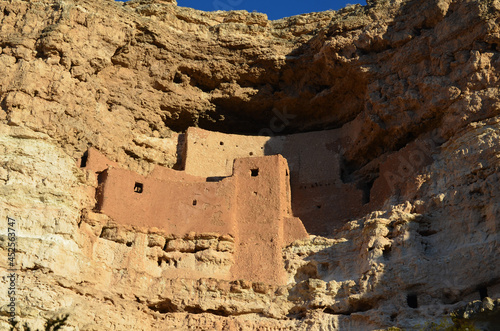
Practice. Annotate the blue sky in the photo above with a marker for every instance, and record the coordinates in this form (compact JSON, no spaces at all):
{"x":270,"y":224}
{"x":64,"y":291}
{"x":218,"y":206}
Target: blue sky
{"x":274,"y":9}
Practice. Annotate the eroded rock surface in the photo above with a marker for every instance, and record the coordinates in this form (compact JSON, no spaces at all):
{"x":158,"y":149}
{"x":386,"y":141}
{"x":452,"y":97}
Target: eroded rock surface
{"x":414,"y":84}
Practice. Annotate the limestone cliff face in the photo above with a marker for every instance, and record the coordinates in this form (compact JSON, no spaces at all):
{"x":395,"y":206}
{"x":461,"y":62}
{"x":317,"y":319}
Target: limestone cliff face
{"x":414,"y":83}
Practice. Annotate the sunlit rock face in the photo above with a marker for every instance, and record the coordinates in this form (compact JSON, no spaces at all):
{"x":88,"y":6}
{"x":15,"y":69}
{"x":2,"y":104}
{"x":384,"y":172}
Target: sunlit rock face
{"x":387,"y":116}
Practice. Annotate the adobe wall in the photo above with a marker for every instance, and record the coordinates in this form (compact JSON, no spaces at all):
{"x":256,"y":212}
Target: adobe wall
{"x":211,"y":154}
{"x":318,"y":195}
{"x":252,"y":205}
{"x":312,"y":157}
{"x":176,"y":206}
{"x":262,"y":200}
{"x":95,"y":161}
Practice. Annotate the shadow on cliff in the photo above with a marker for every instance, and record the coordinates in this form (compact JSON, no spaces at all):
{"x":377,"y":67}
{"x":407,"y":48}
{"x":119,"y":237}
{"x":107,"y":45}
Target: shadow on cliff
{"x":368,"y":83}
{"x":400,"y":288}
{"x":388,"y":281}
{"x":313,"y":89}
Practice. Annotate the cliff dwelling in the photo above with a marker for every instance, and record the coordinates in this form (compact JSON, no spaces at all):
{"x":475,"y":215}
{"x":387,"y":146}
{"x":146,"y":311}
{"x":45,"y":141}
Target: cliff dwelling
{"x":264,"y":192}
{"x":251,"y":205}
{"x":371,"y":202}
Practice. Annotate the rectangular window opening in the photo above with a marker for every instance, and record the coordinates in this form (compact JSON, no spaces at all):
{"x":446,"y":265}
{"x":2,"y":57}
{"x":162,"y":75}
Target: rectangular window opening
{"x":83,"y":160}
{"x":254,"y":172}
{"x":138,"y":188}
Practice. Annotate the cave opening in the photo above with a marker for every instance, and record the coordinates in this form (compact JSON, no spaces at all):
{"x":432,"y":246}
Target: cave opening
{"x":412,"y":300}
{"x":483,"y":292}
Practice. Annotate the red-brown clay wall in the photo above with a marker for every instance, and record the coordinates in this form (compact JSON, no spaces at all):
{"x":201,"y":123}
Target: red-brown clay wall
{"x":210,"y":153}
{"x":262,"y":204}
{"x":177,"y":207}
{"x":253,"y":205}
{"x":293,"y":230}
{"x":314,"y":160}
{"x":323,"y":207}
{"x":93,"y":160}
{"x":319,"y":197}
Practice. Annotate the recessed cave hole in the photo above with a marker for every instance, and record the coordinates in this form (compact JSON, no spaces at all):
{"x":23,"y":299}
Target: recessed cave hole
{"x":101,"y":235}
{"x":254,"y":172}
{"x":222,"y":143}
{"x":129,"y":244}
{"x":251,"y":153}
{"x":483,"y":292}
{"x":345,"y":171}
{"x":138,"y":188}
{"x":323,"y":267}
{"x":195,"y":202}
{"x":83,"y":161}
{"x":329,"y":310}
{"x":198,"y":310}
{"x":386,"y":252}
{"x":178,"y":78}
{"x":318,"y":207}
{"x":362,"y":305}
{"x":82,"y":218}
{"x":393,"y":317}
{"x":426,"y":232}
{"x":164,"y":307}
{"x":449,"y":297}
{"x":286,"y":172}
{"x":299,"y":313}
{"x":412,"y":301}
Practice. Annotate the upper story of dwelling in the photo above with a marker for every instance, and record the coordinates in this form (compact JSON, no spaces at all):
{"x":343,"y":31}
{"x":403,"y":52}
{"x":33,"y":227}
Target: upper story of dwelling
{"x":312,"y":157}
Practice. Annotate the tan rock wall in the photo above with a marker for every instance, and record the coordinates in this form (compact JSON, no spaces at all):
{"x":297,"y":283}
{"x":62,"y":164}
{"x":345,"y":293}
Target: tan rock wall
{"x":120,"y":77}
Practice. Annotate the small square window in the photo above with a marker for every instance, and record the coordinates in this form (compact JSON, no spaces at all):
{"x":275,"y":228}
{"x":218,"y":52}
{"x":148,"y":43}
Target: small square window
{"x":195,"y":202}
{"x":254,"y":172}
{"x":138,"y":188}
